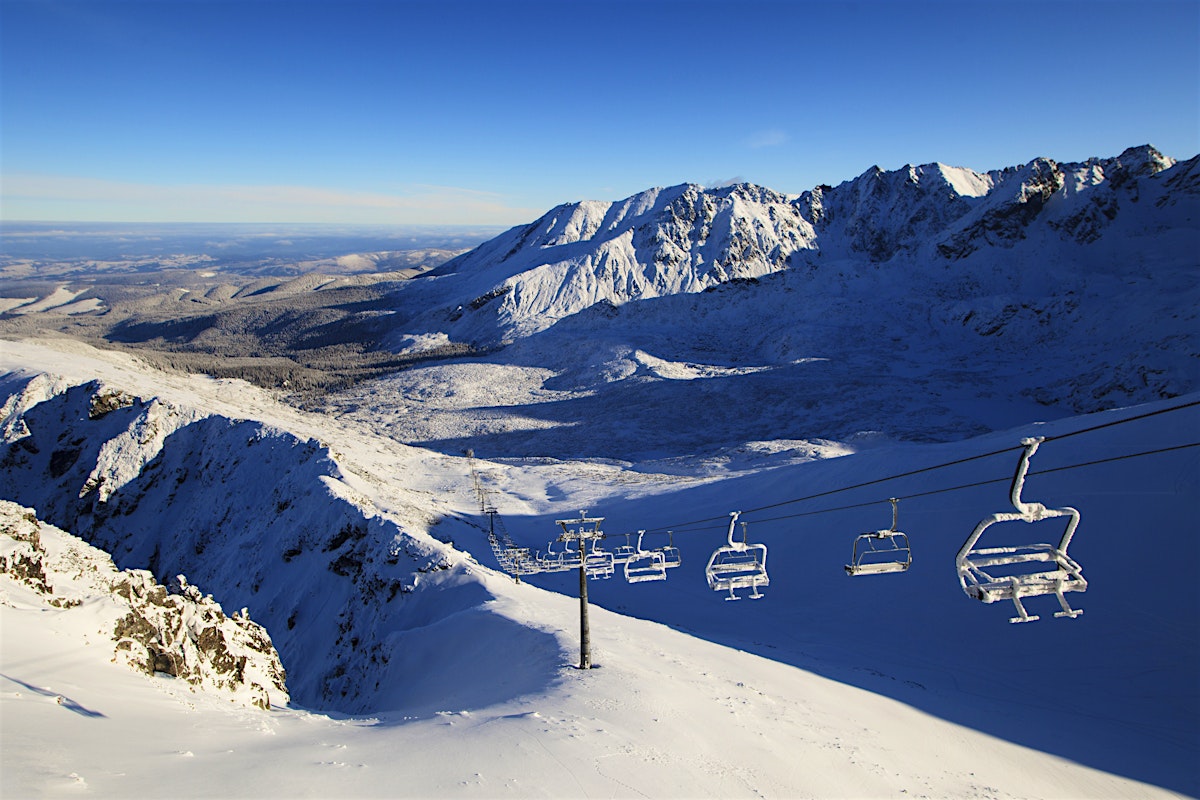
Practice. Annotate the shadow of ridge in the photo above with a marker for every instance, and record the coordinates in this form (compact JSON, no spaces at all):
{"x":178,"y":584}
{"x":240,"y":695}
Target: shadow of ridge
{"x":468,"y":661}
{"x":63,"y":701}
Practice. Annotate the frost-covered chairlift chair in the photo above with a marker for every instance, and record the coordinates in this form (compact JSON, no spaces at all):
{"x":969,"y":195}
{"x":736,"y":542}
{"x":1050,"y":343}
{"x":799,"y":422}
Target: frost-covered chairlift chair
{"x":737,"y":565}
{"x":598,"y":563}
{"x":671,"y":555}
{"x":558,"y":561}
{"x":622,"y":553}
{"x":979,"y":568}
{"x":877,"y":552}
{"x":645,"y":565}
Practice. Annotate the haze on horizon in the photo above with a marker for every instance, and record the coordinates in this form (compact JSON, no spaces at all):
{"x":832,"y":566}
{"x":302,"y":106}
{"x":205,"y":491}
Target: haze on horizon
{"x":484,"y":113}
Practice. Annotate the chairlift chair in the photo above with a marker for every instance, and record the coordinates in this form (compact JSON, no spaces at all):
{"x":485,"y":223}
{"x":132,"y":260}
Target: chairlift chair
{"x":598,"y":563}
{"x":519,"y":560}
{"x":622,"y":553}
{"x":671,"y":555}
{"x":738,"y":565}
{"x":877,"y":552}
{"x":645,"y":565}
{"x":552,"y":561}
{"x":978,"y":567}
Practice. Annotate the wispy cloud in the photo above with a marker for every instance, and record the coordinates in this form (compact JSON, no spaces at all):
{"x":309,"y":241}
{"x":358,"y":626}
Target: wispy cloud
{"x":723,"y":182}
{"x":30,"y":196}
{"x":769,"y":137}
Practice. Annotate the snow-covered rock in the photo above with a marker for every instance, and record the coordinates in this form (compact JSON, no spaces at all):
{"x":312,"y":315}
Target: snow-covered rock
{"x":185,"y":635}
{"x":262,"y":518}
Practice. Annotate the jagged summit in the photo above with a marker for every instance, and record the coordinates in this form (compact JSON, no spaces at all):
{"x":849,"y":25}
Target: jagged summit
{"x":687,"y":239}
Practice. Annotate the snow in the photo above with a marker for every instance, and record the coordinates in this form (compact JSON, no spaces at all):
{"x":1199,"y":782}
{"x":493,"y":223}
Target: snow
{"x":60,"y":300}
{"x":966,"y":182}
{"x":353,"y":533}
{"x":665,"y":715}
{"x":9,"y":303}
{"x":816,"y":690}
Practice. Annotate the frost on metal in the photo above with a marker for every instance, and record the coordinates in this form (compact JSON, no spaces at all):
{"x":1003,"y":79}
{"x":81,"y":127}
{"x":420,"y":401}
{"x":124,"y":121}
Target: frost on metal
{"x":738,"y":565}
{"x":1013,"y":572}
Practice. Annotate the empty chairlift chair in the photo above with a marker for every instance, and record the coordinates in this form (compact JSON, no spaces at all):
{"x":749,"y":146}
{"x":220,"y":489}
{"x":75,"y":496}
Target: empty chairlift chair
{"x":738,"y":565}
{"x":878,"y":552}
{"x":671,"y":555}
{"x":556,"y":561}
{"x":1012,"y":572}
{"x":599,"y":563}
{"x":645,"y":565}
{"x":623,"y":552}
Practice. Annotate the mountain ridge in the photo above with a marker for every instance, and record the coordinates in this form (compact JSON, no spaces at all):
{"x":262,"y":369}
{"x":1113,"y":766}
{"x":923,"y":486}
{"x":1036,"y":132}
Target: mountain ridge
{"x":686,"y":239}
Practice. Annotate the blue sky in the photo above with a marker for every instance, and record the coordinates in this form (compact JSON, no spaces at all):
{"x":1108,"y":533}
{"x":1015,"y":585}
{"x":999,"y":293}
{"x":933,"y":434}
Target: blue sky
{"x":459,"y":111}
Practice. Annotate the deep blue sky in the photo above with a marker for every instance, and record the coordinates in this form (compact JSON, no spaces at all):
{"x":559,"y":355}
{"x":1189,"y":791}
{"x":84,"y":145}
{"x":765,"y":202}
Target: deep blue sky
{"x":458,"y":111}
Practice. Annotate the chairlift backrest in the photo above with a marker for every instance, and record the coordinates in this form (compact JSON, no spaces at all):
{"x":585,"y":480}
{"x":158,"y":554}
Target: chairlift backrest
{"x":624,"y":552}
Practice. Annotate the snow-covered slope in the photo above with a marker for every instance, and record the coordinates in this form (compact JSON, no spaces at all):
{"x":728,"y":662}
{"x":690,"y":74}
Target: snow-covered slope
{"x":921,"y":689}
{"x":917,"y":302}
{"x":262,"y":516}
{"x":133,"y":618}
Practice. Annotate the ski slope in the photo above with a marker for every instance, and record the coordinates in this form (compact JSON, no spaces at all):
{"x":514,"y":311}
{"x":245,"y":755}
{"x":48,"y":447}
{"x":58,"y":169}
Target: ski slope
{"x":830,"y":686}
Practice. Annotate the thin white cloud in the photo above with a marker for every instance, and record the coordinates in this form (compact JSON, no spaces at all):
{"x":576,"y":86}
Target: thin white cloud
{"x":770,"y":137}
{"x":29,"y":196}
{"x":723,"y":182}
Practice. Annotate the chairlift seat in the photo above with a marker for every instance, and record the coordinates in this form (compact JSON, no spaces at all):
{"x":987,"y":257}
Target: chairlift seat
{"x":599,"y":564}
{"x":646,"y":566}
{"x":880,"y":552}
{"x":671,"y":556}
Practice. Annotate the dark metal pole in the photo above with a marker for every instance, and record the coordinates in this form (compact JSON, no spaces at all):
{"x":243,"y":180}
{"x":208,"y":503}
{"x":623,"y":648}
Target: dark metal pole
{"x":585,"y":643}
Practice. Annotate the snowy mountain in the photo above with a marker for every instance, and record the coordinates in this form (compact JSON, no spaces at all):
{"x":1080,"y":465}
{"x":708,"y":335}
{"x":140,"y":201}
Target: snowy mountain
{"x":260,"y":513}
{"x":922,"y":220}
{"x":661,"y":361}
{"x":882,"y":686}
